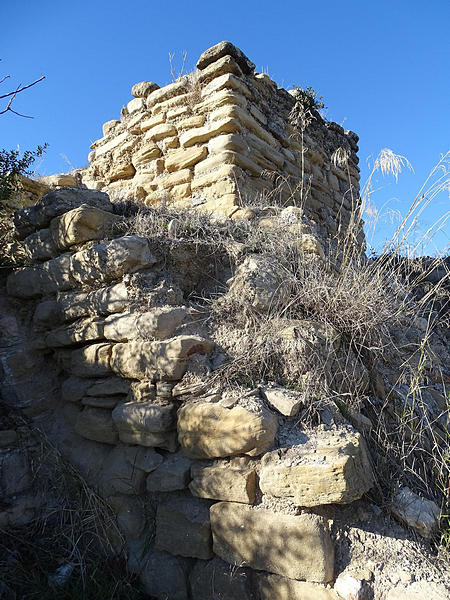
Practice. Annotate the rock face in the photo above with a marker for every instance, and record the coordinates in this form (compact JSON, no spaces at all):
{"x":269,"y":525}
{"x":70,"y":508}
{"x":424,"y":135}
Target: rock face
{"x":208,"y":430}
{"x":183,"y":528}
{"x":327,"y":470}
{"x":273,"y":542}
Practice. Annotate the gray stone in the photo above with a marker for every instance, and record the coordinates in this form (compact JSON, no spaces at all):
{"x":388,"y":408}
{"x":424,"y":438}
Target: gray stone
{"x":96,"y":424}
{"x":287,"y":402}
{"x":173,"y":474}
{"x":418,"y":513}
{"x":134,"y":420}
{"x":110,"y":386}
{"x":111,"y":299}
{"x":225,"y":49}
{"x":40,"y":246}
{"x":91,"y":361}
{"x":164,"y":576}
{"x":74,"y":388}
{"x":183,"y":528}
{"x":160,"y":323}
{"x":419,"y":590}
{"x":85,"y":330}
{"x":102,"y":401}
{"x":47,"y":278}
{"x":56,"y":203}
{"x":143,"y":89}
{"x":145,"y":459}
{"x":119,"y":476}
{"x":15,"y":474}
{"x":215,"y":579}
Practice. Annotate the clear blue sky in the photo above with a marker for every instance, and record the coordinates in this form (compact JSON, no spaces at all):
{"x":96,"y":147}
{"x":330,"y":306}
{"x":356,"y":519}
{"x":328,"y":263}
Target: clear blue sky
{"x":382,"y":68}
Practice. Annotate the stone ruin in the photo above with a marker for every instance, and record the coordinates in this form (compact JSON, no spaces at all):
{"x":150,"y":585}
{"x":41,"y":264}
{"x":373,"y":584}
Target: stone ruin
{"x":217,"y":495}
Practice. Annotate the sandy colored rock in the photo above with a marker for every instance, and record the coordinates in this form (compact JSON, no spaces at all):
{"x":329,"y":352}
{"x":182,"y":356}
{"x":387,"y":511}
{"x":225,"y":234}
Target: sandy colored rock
{"x":226,"y":81}
{"x":225,"y":49}
{"x":273,"y":542}
{"x":110,"y":299}
{"x":227,"y":481}
{"x":262,"y":281}
{"x":83,"y":331}
{"x":183,"y":528}
{"x":40,"y":246}
{"x":96,"y":424}
{"x":287,"y":402}
{"x":81,"y":225}
{"x":182,"y":158}
{"x":159,"y":132}
{"x":143,"y":89}
{"x":329,"y":467}
{"x":282,"y":588}
{"x":111,"y":260}
{"x":159,"y":323}
{"x":203,"y":134}
{"x":134,"y":420}
{"x":223,"y":65}
{"x":207,"y":430}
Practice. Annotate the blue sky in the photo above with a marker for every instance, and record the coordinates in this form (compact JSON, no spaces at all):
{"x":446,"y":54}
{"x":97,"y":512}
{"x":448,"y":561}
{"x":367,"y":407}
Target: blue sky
{"x":382,"y":68}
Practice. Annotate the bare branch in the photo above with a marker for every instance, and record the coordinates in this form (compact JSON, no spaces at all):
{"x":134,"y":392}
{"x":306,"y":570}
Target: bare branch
{"x":21,"y":89}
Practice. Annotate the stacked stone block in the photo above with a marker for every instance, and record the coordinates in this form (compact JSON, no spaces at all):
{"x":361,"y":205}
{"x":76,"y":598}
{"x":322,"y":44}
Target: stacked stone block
{"x":220,"y":139}
{"x":213,"y":467}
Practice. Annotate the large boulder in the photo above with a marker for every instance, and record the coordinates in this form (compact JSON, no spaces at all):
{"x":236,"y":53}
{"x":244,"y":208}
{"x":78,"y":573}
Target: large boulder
{"x":225,"y":49}
{"x":297,"y":547}
{"x":208,"y":430}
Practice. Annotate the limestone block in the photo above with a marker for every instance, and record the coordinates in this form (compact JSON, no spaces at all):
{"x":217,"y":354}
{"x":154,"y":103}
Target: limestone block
{"x":226,"y":81}
{"x":147,"y":152}
{"x":258,"y":114}
{"x":135,"y":105}
{"x":231,"y":173}
{"x":96,"y":424}
{"x":328,"y":468}
{"x":231,"y":481}
{"x":287,"y":402}
{"x":178,"y":111}
{"x":191,"y":122}
{"x":221,"y":98}
{"x":170,"y":143}
{"x":109,"y":126}
{"x":109,"y":386}
{"x":123,"y":169}
{"x":225,"y":49}
{"x":173,"y":474}
{"x":420,"y":514}
{"x":108,"y":146}
{"x":134,"y":124}
{"x":134,"y":420}
{"x":142,"y":391}
{"x":91,"y":361}
{"x":85,"y":330}
{"x":171,"y":103}
{"x":143,"y":89}
{"x":159,"y":132}
{"x":267,"y":150}
{"x":56,"y":203}
{"x":207,"y":430}
{"x":298,"y":547}
{"x":111,"y":299}
{"x":228,"y":157}
{"x":262,"y":281}
{"x":160,"y":323}
{"x":233,"y":142}
{"x":282,"y":588}
{"x":199,"y":135}
{"x":145,"y":459}
{"x":40,"y":245}
{"x":183,"y":528}
{"x":216,"y":579}
{"x":152,"y":168}
{"x":15,"y":473}
{"x":166,"y":92}
{"x":246,"y":119}
{"x":176,"y":178}
{"x":147,"y":124}
{"x":185,"y":157}
{"x":47,"y":278}
{"x":227,"y":204}
{"x":111,"y":260}
{"x":164,"y":576}
{"x":81,"y":225}
{"x":119,"y":476}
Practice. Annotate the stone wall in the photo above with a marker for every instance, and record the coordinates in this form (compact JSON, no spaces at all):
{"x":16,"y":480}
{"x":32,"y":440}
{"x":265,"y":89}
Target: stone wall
{"x":223,"y":138}
{"x":229,"y":486}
